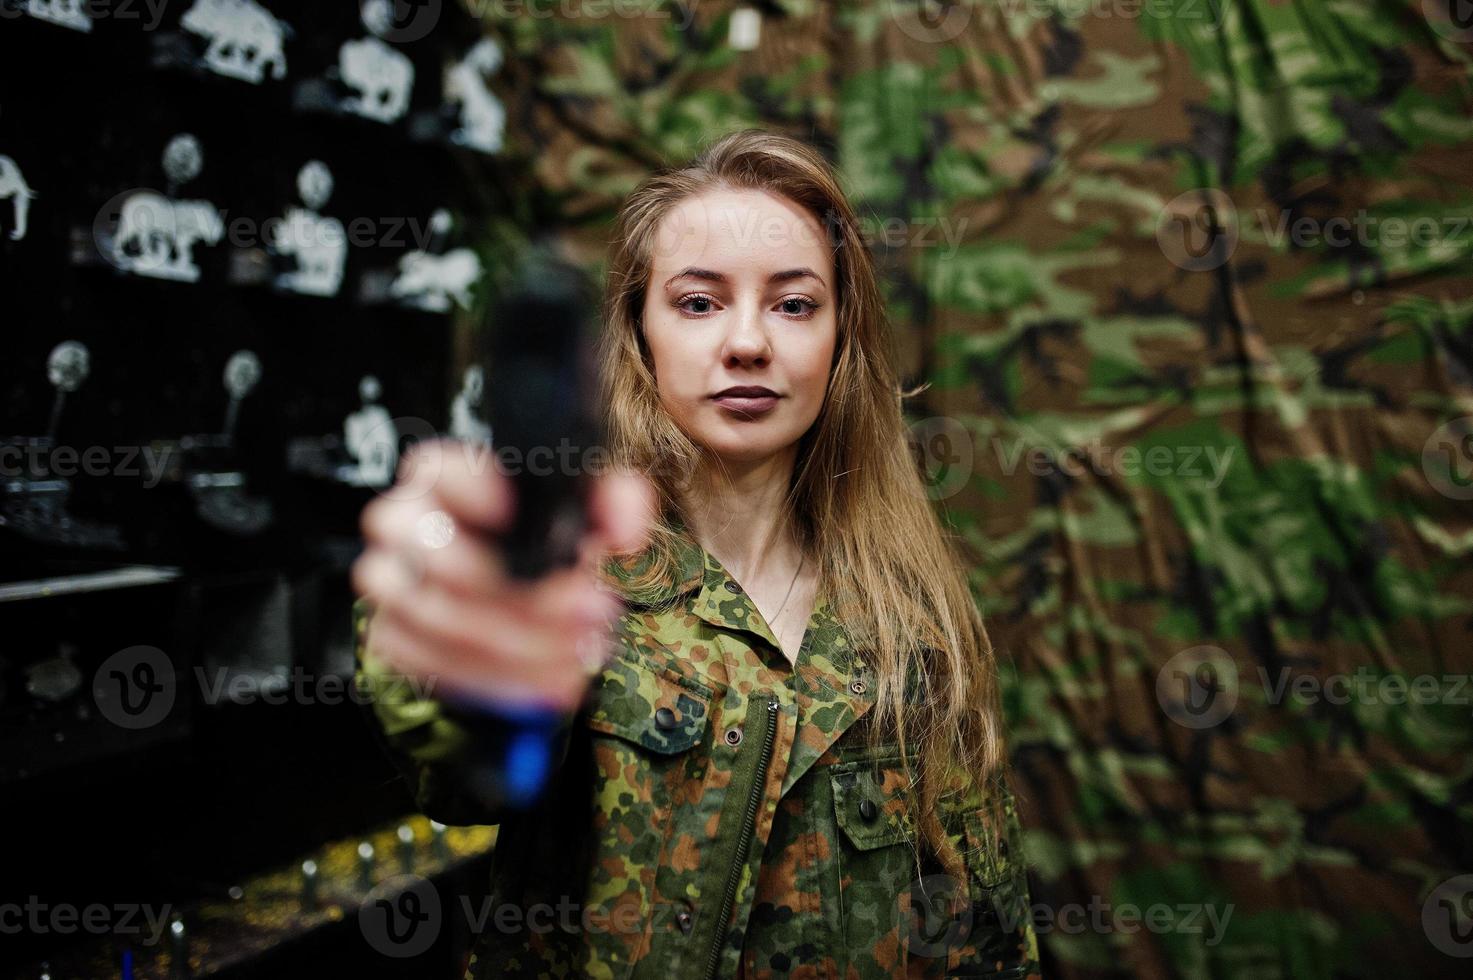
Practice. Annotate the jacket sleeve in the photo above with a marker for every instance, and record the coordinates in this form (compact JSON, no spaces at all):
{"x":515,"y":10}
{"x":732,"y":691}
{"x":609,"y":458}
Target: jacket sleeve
{"x":432,"y":751}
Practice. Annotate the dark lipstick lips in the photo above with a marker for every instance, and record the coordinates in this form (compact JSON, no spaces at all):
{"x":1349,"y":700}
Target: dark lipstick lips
{"x":746,"y":391}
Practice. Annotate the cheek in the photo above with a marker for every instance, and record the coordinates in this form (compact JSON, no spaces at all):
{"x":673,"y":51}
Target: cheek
{"x":673,"y":371}
{"x":817,"y":366}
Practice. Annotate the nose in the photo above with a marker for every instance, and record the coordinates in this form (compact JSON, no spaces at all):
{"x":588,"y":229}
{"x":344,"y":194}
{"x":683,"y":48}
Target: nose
{"x":747,"y":344}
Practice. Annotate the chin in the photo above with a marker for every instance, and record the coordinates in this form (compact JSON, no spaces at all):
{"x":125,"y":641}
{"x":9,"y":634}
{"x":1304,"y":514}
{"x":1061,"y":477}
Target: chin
{"x":745,"y":447}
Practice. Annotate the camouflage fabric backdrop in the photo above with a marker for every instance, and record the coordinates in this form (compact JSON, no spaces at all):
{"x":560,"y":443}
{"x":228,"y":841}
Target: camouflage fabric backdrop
{"x":1191,"y":281}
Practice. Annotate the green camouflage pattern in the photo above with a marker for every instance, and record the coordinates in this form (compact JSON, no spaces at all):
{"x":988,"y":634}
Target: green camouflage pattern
{"x":707,"y":774}
{"x":1200,"y":407}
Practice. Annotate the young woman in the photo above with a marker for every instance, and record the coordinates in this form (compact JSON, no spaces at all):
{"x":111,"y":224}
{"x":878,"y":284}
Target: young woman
{"x":790,"y":760}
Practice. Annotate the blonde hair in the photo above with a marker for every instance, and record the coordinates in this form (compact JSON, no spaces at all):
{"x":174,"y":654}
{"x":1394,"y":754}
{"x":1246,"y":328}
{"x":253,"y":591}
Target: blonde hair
{"x":857,"y":500}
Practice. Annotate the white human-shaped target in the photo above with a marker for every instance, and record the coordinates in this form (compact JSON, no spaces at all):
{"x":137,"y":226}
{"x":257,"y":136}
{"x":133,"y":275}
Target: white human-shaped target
{"x":13,"y":188}
{"x":65,"y":13}
{"x":465,"y":416}
{"x":482,"y":116}
{"x":319,"y":244}
{"x":429,"y":282}
{"x":243,"y":38}
{"x":381,"y":77}
{"x":157,"y":234}
{"x":371,"y":439}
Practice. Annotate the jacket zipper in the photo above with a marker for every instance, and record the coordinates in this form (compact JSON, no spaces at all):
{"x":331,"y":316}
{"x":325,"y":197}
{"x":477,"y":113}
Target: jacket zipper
{"x":734,"y":876}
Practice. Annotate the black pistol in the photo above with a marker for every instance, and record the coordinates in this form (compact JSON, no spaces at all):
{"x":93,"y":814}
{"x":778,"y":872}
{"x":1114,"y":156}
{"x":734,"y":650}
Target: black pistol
{"x":540,"y":381}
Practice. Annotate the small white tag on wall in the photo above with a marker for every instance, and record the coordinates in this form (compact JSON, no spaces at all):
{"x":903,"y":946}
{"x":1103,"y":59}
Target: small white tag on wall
{"x":14,"y":189}
{"x":746,"y":29}
{"x":244,"y":38}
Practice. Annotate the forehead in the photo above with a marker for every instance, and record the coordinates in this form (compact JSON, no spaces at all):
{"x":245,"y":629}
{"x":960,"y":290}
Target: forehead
{"x":737,"y":230}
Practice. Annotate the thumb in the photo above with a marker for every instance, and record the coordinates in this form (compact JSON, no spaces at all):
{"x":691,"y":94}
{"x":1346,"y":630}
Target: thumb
{"x":622,"y":511}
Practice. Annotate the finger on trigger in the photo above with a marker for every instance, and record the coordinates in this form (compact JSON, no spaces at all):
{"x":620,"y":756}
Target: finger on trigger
{"x":573,"y":597}
{"x":623,"y":509}
{"x":474,"y":490}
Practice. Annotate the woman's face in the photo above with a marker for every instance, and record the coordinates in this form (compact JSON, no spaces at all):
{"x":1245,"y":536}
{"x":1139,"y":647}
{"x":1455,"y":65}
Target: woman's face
{"x":739,"y":319}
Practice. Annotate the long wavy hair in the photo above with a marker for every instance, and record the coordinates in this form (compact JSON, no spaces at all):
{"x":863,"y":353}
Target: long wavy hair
{"x":857,"y":500}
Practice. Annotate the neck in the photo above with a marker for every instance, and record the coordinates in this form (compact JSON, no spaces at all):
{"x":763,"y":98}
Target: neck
{"x":738,"y":513}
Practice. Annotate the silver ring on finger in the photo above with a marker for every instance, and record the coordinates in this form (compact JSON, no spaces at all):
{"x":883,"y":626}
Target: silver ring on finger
{"x":435,"y":529}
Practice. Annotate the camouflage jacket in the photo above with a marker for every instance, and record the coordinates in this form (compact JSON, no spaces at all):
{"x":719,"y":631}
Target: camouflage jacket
{"x":718,"y":814}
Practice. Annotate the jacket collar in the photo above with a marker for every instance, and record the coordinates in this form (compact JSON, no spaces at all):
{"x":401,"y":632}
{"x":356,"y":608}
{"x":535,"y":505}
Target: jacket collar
{"x":718,"y":598}
{"x":688,"y":574}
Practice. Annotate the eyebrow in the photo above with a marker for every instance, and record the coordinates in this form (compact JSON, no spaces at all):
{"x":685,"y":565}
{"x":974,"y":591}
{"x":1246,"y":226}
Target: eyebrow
{"x":708,"y":275}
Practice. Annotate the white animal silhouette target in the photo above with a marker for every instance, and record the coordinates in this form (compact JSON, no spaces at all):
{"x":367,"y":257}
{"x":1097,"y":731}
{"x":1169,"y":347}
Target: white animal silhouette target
{"x":381,"y":77}
{"x":64,"y":13}
{"x":482,"y":116}
{"x":13,"y":188}
{"x":156,"y":234}
{"x":244,"y":38}
{"x":428,"y":282}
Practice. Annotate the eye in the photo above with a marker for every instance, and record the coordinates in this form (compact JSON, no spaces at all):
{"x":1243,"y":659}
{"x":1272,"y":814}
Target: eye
{"x":680,"y":304}
{"x":805,"y":310}
{"x":806,"y":307}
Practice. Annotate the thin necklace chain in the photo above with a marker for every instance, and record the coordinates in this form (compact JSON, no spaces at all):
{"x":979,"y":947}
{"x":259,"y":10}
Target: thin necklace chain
{"x":801,"y":560}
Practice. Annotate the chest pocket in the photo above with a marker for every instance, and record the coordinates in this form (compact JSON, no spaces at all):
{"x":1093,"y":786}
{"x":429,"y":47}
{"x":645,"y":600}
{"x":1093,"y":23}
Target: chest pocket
{"x":646,"y":724}
{"x":897,"y":912}
{"x":652,"y":707}
{"x":875,"y":852}
{"x":998,"y":942}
